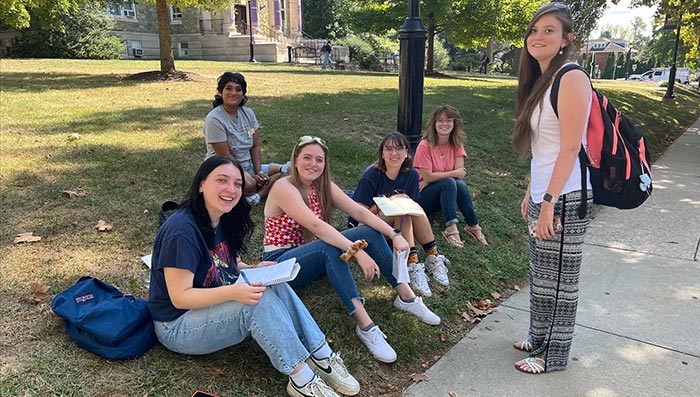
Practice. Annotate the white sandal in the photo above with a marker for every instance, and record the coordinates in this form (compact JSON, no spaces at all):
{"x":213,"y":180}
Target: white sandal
{"x":533,"y":365}
{"x":525,"y":345}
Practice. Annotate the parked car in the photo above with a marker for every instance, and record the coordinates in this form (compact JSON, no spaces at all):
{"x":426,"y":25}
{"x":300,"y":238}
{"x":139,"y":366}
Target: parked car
{"x":643,"y":76}
{"x":662,"y":74}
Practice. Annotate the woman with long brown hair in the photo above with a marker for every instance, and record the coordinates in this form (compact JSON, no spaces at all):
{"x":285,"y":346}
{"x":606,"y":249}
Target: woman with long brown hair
{"x":554,"y":192}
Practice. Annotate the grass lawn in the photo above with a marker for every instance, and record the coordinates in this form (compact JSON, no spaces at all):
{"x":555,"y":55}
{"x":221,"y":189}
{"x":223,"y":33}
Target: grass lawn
{"x":131,"y":145}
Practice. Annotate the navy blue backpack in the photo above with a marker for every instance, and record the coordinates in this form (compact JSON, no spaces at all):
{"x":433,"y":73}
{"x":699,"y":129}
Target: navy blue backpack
{"x":104,"y":321}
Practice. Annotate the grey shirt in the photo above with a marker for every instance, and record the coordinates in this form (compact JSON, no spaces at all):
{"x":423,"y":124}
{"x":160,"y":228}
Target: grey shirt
{"x":238,"y":132}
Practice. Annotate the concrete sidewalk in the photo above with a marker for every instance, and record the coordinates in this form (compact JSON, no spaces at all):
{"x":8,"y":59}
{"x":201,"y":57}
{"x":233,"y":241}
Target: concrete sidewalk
{"x":638,"y":322}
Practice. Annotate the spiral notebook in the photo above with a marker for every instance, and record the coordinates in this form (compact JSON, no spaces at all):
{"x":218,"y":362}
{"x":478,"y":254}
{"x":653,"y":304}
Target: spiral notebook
{"x":270,"y":275}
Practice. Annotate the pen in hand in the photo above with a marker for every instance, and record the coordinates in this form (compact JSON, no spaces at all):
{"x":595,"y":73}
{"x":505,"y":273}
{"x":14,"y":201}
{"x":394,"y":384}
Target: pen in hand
{"x":245,"y":278}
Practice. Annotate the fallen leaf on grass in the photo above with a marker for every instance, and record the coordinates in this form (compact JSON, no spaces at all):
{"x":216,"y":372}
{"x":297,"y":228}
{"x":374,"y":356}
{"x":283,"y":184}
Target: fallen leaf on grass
{"x":26,"y":238}
{"x":421,"y":377}
{"x":480,"y":308}
{"x":444,"y":337}
{"x":39,"y":293}
{"x":72,"y":137}
{"x":496,"y":295}
{"x":516,"y":287}
{"x":452,"y":394}
{"x":214,"y":371}
{"x":472,"y":320}
{"x":73,"y":194}
{"x":39,"y":290}
{"x":103,"y":226}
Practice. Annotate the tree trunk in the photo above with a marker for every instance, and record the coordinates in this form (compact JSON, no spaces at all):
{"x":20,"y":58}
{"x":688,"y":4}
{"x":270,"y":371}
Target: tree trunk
{"x":489,"y":48}
{"x":430,"y":59}
{"x":167,"y":62}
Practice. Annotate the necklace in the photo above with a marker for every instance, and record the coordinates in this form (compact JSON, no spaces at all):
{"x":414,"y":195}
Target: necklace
{"x":442,"y":152}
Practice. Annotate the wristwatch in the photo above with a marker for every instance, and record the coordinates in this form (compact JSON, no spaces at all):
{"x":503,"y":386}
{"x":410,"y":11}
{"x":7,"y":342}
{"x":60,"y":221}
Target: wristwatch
{"x":394,"y":233}
{"x":549,"y":198}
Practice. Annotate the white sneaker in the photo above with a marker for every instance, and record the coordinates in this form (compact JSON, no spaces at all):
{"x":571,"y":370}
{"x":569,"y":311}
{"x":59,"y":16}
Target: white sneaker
{"x":375,"y":340}
{"x":316,"y":388}
{"x":418,"y":309}
{"x":253,"y":199}
{"x":436,"y":267}
{"x":334,"y":372}
{"x":419,"y":280}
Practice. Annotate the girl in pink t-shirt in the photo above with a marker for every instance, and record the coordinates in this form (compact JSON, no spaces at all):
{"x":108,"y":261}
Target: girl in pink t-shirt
{"x":440,"y":160}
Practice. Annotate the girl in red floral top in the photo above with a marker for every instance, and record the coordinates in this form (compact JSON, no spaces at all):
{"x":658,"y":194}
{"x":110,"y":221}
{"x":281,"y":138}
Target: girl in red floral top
{"x":298,"y":214}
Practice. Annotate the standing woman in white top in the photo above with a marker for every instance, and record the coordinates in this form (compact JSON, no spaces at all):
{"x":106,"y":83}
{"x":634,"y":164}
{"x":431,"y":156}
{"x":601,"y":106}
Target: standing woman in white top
{"x":554,"y":192}
{"x":231,"y":130}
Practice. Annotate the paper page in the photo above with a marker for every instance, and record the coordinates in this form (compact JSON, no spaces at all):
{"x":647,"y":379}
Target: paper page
{"x":147,"y":260}
{"x":398,"y":206}
{"x":400,"y":267}
{"x":273,"y":274}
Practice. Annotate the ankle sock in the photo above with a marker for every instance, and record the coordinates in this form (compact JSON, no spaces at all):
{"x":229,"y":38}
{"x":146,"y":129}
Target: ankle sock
{"x":407,"y":301}
{"x":303,"y":376}
{"x":368,"y":327}
{"x":430,"y":248}
{"x":323,"y":352}
{"x":412,"y":255}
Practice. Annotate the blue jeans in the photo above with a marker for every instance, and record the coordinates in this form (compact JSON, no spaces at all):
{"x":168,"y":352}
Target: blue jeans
{"x":448,"y":194}
{"x":327,"y":61}
{"x":279,"y":323}
{"x":318,"y":258}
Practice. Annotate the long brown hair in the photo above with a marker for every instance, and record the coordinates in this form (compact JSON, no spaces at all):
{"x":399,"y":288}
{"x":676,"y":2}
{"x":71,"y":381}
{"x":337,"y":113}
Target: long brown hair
{"x":533,"y":82}
{"x":399,"y":140}
{"x":322,"y":184}
{"x":457,"y":134}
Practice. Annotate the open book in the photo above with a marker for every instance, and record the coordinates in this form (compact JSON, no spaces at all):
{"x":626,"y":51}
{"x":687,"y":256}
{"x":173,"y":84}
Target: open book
{"x":270,"y":275}
{"x":398,"y":206}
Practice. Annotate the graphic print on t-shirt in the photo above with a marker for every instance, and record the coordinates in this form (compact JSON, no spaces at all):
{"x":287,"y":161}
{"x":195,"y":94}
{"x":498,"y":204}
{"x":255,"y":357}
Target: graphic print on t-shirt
{"x":223,"y":270}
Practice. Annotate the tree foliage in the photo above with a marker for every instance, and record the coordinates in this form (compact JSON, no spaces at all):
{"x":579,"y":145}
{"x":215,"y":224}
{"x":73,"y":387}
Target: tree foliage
{"x":19,"y":14}
{"x":84,"y":35}
{"x":325,"y":19}
{"x":689,"y":12}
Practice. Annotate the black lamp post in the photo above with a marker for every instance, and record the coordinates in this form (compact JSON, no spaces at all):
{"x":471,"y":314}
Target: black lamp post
{"x":250,"y":32}
{"x":412,"y":37}
{"x":672,"y":72}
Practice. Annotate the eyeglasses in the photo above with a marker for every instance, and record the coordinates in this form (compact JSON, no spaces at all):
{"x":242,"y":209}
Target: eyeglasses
{"x":445,"y":121}
{"x":394,"y":149}
{"x":306,"y":139}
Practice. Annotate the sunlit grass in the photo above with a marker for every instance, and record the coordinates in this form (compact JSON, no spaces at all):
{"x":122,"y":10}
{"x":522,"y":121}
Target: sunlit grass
{"x":68,"y":124}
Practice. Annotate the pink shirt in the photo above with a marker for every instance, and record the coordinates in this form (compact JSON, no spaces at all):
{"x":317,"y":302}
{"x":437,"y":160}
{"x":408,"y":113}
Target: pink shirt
{"x":440,"y":158}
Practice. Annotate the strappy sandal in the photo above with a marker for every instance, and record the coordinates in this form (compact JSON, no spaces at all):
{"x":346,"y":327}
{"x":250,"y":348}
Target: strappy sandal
{"x":524,"y":345}
{"x":453,"y":238}
{"x":535,"y":365}
{"x":477,"y":235}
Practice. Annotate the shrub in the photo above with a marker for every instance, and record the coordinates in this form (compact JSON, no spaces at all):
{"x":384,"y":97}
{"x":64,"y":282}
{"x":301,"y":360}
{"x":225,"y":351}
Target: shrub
{"x":83,"y":35}
{"x":361,"y":52}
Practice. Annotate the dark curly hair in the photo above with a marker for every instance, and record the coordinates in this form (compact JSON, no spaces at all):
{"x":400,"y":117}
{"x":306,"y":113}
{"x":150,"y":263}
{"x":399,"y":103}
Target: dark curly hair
{"x":229,"y":77}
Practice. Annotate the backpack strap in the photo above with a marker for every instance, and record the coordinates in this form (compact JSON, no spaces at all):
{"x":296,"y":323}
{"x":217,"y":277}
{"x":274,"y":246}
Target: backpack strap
{"x":165,"y":209}
{"x":582,"y":157}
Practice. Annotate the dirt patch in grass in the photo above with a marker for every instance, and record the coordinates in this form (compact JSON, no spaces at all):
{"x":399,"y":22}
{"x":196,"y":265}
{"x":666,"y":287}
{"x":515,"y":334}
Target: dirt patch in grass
{"x":157,"y":75}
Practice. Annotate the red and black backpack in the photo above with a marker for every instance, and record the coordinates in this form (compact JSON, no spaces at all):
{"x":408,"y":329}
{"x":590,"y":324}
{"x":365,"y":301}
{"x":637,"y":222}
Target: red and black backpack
{"x":616,"y":153}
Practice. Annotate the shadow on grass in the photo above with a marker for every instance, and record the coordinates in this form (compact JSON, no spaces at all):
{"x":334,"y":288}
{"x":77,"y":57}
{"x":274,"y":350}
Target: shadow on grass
{"x":39,"y":82}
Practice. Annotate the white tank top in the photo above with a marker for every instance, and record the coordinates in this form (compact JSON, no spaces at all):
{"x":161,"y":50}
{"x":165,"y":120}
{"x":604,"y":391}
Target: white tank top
{"x":546,"y":144}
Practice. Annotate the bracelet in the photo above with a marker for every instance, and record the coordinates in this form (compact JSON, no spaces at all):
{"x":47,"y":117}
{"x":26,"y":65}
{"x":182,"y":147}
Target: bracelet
{"x":356,"y":246}
{"x":394,"y":233}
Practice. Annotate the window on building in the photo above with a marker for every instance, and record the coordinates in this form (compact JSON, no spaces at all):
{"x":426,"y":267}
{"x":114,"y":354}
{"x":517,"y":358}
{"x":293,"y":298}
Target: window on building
{"x":283,"y":15}
{"x":175,"y":14}
{"x":136,"y":49}
{"x":122,"y":9}
{"x":183,"y":50}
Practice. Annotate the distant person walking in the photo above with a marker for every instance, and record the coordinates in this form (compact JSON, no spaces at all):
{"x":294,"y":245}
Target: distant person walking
{"x":484,"y":63}
{"x":326,"y":51}
{"x":554,"y":193}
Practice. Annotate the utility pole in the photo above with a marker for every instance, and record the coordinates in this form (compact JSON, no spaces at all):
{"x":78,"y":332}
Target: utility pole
{"x":672,"y":73}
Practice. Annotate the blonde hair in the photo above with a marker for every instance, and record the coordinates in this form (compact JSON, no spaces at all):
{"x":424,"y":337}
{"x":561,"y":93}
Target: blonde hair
{"x":322,"y":184}
{"x":457,"y":133}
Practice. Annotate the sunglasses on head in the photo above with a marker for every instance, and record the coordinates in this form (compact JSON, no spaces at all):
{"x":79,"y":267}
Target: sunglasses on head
{"x":558,"y":4}
{"x":308,"y":139}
